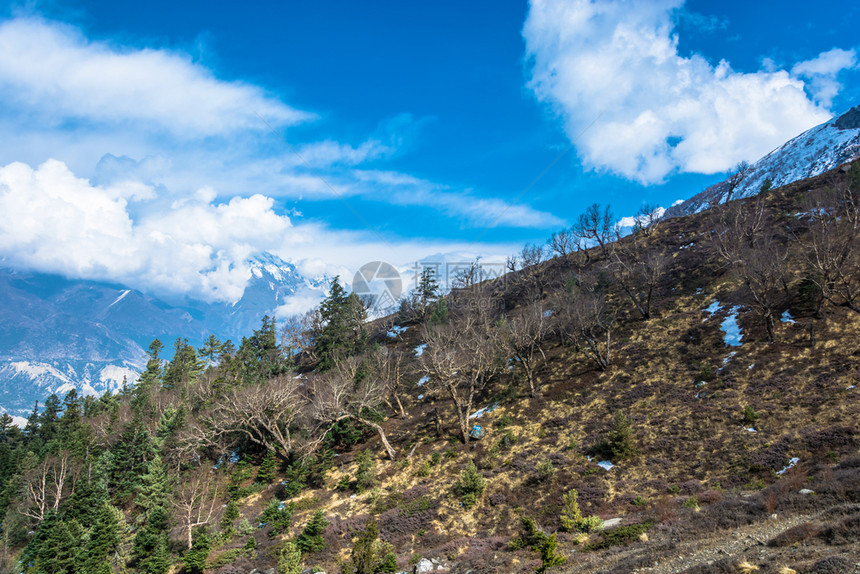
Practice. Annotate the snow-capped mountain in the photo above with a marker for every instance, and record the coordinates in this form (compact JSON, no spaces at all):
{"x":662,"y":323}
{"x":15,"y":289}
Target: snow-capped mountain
{"x":813,"y":152}
{"x":57,"y":334}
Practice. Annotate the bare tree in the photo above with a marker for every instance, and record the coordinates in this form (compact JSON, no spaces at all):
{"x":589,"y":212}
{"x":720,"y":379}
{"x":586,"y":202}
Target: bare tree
{"x":587,"y":322}
{"x":389,"y":365}
{"x":47,"y":484}
{"x":638,"y":271}
{"x":299,"y":332}
{"x":460,"y":360}
{"x":468,"y":275}
{"x":562,"y":243}
{"x":596,"y":224}
{"x":737,"y":177}
{"x":832,"y":246}
{"x":525,"y":333}
{"x":647,"y":218}
{"x":534,"y":274}
{"x":196,"y":497}
{"x":736,"y":227}
{"x":763,"y":268}
{"x":344,"y":393}
{"x":264,"y":414}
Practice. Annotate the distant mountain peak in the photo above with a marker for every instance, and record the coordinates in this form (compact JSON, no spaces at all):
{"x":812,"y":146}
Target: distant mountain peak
{"x":824,"y":147}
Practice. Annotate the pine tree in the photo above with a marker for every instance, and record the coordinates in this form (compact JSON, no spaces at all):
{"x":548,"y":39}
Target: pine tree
{"x":154,"y":486}
{"x":228,"y":519}
{"x":343,"y":316}
{"x":104,"y":538}
{"x":268,"y":468}
{"x":195,"y":558}
{"x":183,"y":368}
{"x":149,"y":550}
{"x":290,"y":558}
{"x":311,"y":540}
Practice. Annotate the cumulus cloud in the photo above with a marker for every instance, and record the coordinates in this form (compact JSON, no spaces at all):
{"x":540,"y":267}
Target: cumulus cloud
{"x":51,"y":220}
{"x":61,"y":75}
{"x":634,"y":106}
{"x":822,"y":72}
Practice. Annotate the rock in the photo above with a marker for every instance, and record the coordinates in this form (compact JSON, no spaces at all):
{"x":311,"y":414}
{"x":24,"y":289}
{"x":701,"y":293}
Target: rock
{"x":806,"y":491}
{"x":423,"y":566}
{"x":611,"y":523}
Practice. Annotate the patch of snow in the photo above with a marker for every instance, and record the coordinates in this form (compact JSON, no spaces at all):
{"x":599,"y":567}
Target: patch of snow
{"x":396,"y":330}
{"x":120,"y":298}
{"x":420,"y":397}
{"x":732,"y":330}
{"x":791,"y":464}
{"x":852,"y":387}
{"x":419,"y":350}
{"x":688,"y":245}
{"x":481,"y":412}
{"x":751,"y":367}
{"x":64,"y":388}
{"x":605,"y":464}
{"x":548,"y":313}
{"x":750,"y":430}
{"x":19,"y":422}
{"x":422,"y":381}
{"x":729,"y":358}
{"x":712,"y":308}
{"x":787,"y":318}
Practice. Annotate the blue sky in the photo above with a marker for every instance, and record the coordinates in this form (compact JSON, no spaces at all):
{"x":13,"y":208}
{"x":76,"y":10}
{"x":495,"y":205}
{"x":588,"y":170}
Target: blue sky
{"x":168,"y":141}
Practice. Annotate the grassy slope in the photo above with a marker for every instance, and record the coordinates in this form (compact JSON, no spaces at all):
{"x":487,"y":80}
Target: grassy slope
{"x":688,"y":445}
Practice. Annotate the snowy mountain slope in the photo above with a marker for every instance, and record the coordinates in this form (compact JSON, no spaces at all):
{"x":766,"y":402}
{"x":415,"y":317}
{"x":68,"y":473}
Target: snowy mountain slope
{"x":57,"y":334}
{"x":813,"y":152}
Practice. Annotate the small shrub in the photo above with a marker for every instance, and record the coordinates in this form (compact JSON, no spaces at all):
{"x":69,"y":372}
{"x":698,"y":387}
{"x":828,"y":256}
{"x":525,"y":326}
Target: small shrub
{"x":369,"y":554}
{"x":245,"y":527}
{"x":571,"y":515}
{"x":451,"y":452}
{"x":471,"y":485}
{"x":425,"y":469}
{"x":504,"y":421}
{"x":435,"y":458}
{"x":344,"y":483}
{"x":619,"y":443}
{"x":535,"y":539}
{"x":545,"y":471}
{"x":692,"y":502}
{"x":749,"y":415}
{"x":638,"y":501}
{"x":621,"y":535}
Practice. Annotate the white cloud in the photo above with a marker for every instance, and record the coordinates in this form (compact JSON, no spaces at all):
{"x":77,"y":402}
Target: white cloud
{"x":53,"y":69}
{"x":51,"y":220}
{"x":822,"y":73}
{"x":403,"y":189}
{"x":616,"y":63}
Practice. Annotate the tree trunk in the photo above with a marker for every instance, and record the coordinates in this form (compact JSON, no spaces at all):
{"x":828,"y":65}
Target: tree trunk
{"x":392,"y":454}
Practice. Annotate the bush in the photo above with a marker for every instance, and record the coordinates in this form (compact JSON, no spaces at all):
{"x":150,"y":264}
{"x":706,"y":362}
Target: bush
{"x":571,"y":516}
{"x":545,"y":471}
{"x":750,"y":416}
{"x":619,"y":443}
{"x":369,"y":554}
{"x":471,"y":485}
{"x":537,"y":540}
